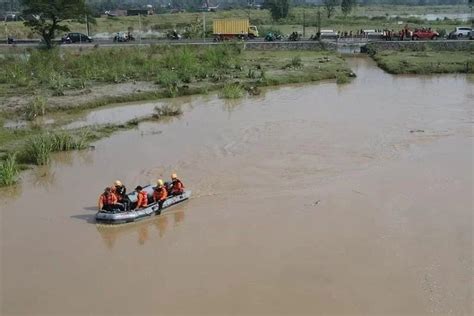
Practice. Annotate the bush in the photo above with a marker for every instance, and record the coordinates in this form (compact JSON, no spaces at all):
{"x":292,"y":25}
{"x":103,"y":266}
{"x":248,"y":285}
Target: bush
{"x":342,"y":78}
{"x":37,"y":107}
{"x":9,"y":170}
{"x":169,"y":80}
{"x":232,"y":91}
{"x":38,"y":149}
{"x":296,"y":62}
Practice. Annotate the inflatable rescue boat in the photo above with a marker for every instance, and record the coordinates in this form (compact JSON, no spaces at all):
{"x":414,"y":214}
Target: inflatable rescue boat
{"x":153,"y":208}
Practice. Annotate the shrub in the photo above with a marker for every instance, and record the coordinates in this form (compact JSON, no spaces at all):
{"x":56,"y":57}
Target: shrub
{"x":296,"y":62}
{"x":9,"y":170}
{"x":232,"y":91}
{"x":37,"y":107}
{"x":169,"y":80}
{"x":38,"y":149}
{"x":342,"y":78}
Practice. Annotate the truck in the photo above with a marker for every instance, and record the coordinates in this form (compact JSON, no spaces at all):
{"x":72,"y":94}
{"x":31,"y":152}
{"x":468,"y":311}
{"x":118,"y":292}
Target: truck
{"x":224,"y":29}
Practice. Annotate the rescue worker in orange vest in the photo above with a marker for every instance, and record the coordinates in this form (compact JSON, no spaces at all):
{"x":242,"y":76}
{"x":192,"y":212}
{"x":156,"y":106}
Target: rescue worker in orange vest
{"x":108,"y":201}
{"x":160,"y":194}
{"x":142,"y":198}
{"x":177,"y":186}
{"x":120,"y":192}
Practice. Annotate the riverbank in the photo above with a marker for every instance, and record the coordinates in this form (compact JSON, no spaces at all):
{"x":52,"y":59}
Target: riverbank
{"x":42,"y":92}
{"x":433,"y":57}
{"x":425,"y":62}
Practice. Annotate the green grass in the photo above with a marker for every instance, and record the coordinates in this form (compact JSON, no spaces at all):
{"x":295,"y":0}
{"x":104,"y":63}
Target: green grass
{"x":342,"y":79}
{"x":59,"y":71}
{"x":38,"y":148}
{"x":37,"y":107}
{"x":232,"y":91}
{"x":9,"y":170}
{"x":425,"y":62}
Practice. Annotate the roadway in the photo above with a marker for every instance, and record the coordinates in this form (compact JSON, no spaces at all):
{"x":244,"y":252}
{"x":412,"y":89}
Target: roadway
{"x":208,"y":41}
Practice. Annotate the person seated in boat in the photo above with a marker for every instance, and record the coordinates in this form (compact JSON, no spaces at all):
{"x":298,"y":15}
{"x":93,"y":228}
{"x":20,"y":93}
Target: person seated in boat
{"x":108,"y":201}
{"x":142,"y":198}
{"x":177,"y":186}
{"x":160,"y":193}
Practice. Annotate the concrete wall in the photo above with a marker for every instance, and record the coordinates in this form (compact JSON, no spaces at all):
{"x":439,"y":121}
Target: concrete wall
{"x":285,"y":46}
{"x":454,"y":45}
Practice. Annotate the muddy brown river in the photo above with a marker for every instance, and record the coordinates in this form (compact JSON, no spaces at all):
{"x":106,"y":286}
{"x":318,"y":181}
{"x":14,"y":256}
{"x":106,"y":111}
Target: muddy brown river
{"x":307,"y":200}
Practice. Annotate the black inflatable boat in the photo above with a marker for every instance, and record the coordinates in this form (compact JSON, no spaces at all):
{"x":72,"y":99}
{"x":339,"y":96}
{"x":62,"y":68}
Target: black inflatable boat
{"x":135,"y":215}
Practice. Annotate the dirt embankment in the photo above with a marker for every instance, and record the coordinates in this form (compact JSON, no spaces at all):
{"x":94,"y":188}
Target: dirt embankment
{"x":76,"y":98}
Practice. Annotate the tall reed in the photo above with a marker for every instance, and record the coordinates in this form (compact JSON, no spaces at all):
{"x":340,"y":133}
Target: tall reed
{"x":9,"y":170}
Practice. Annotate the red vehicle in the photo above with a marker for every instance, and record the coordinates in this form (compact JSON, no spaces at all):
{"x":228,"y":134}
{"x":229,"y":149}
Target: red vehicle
{"x":424,"y":34}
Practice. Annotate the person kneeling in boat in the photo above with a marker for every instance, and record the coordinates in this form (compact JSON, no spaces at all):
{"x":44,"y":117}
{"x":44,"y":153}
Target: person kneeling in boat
{"x":108,"y":201}
{"x":177,"y":186}
{"x":160,"y":193}
{"x":142,"y":198}
{"x":120,"y":192}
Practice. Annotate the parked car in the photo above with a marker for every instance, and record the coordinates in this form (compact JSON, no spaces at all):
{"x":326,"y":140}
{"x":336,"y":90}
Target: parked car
{"x":76,"y":38}
{"x":424,"y":34}
{"x":460,"y":32}
{"x":327,"y":34}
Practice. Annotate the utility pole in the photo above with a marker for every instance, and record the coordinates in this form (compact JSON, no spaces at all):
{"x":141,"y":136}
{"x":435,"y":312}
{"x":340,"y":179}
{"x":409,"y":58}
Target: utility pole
{"x":140,"y":28}
{"x":87,"y":25}
{"x":203,"y":26}
{"x":6,"y":27}
{"x":304,"y":23}
{"x":472,"y":18}
{"x":319,"y":22}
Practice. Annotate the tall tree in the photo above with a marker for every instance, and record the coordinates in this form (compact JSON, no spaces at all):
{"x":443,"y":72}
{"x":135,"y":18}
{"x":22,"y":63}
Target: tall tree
{"x":278,"y":8}
{"x":46,"y":17}
{"x":330,"y":7}
{"x":347,"y":6}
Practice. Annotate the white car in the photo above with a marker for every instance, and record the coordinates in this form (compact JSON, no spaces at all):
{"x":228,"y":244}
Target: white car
{"x":328,"y":34}
{"x":460,"y":32}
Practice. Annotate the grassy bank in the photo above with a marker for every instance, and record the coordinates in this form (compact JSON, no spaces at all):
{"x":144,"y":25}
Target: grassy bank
{"x":44,"y":81}
{"x":425,"y":62}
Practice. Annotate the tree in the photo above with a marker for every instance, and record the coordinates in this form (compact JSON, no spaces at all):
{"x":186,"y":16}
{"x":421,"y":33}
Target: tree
{"x":45,"y":17}
{"x":330,"y":7}
{"x":278,"y":8}
{"x":346,"y":6}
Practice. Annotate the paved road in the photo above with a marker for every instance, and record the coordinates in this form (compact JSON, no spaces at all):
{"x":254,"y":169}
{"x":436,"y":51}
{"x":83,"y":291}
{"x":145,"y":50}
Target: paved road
{"x":209,"y":41}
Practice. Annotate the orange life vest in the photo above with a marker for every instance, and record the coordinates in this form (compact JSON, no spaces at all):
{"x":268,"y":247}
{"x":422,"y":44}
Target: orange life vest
{"x":160,"y":194}
{"x":177,"y":187}
{"x":109,"y":199}
{"x":142,"y":199}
